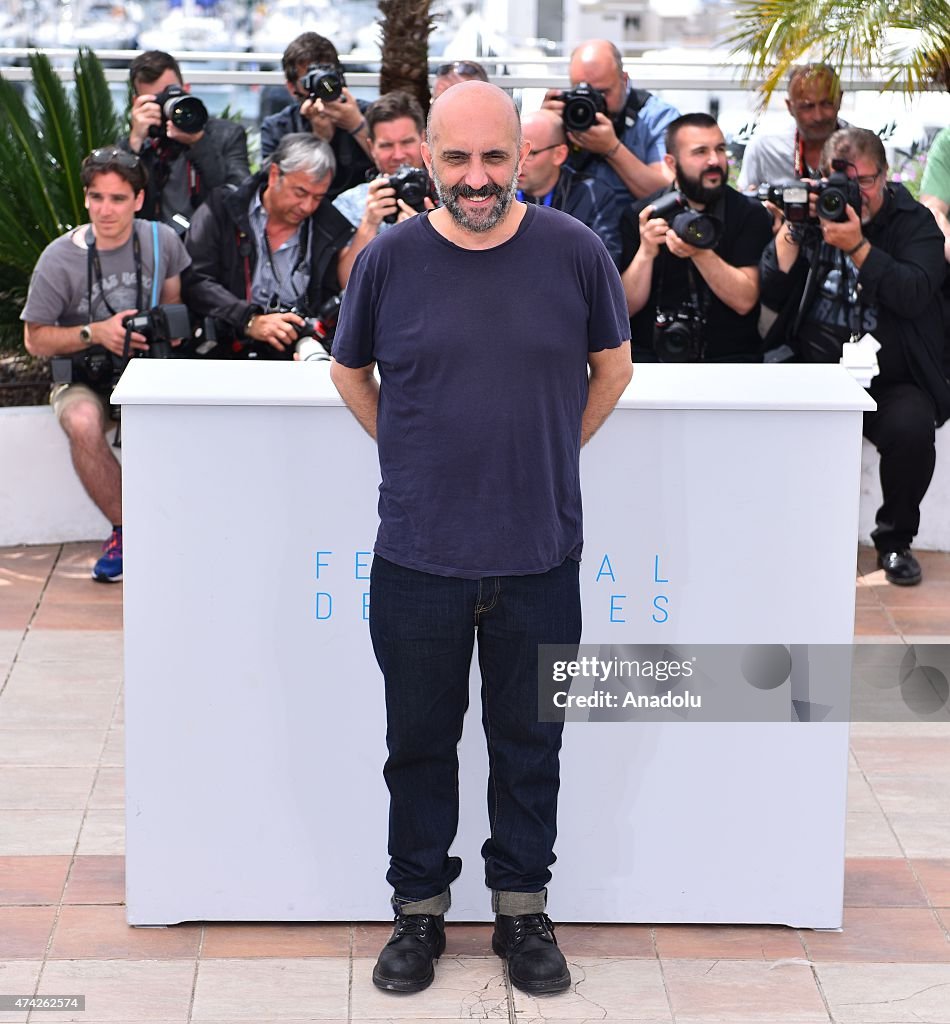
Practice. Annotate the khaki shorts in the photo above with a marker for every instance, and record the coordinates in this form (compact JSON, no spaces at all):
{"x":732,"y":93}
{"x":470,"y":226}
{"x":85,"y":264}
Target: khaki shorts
{"x":63,"y":396}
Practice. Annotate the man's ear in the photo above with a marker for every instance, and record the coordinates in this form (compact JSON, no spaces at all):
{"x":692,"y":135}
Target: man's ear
{"x":427,"y":156}
{"x":139,"y":199}
{"x":670,"y":162}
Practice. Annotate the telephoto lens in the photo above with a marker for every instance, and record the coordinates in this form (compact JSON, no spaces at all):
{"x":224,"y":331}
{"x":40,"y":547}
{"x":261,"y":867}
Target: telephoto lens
{"x":309,"y":350}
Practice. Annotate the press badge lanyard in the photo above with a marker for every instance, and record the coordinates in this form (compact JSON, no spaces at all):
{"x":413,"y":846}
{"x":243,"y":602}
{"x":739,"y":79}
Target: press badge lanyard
{"x":298,"y":267}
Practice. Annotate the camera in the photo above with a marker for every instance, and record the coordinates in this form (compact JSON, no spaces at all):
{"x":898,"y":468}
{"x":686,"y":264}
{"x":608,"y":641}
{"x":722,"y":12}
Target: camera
{"x":581,"y":107}
{"x":789,"y":196}
{"x":836,"y":193}
{"x":314,"y":335}
{"x":159,"y":325}
{"x":678,"y":335}
{"x":412,"y":186}
{"x":692,"y":226}
{"x":185,"y":112}
{"x":322,"y":82}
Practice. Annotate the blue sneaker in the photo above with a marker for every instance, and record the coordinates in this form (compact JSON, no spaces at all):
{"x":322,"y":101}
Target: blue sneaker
{"x":109,"y":567}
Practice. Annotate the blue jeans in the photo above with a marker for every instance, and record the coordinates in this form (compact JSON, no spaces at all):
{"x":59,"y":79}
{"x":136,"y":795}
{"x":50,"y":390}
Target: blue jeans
{"x":423,"y":629}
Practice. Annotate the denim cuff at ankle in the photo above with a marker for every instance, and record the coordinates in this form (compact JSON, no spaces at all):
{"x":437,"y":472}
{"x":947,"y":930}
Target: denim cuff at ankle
{"x":514,"y":904}
{"x":433,"y":905}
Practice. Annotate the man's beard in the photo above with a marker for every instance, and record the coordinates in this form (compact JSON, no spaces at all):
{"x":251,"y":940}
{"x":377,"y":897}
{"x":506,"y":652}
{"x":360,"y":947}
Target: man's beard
{"x":695,"y":190}
{"x":478,"y":221}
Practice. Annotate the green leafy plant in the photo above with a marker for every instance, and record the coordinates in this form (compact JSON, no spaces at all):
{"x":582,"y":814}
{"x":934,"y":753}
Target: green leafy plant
{"x":908,"y":41}
{"x":41,"y":151}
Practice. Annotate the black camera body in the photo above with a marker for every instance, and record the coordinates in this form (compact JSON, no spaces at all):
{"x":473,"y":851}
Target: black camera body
{"x":582,"y":104}
{"x":833,"y":196}
{"x":694,"y":227}
{"x":186,"y":112}
{"x":413,"y":186}
{"x":159,"y":325}
{"x":96,"y":367}
{"x":323,"y":82}
{"x":320,"y":328}
{"x":678,"y":335}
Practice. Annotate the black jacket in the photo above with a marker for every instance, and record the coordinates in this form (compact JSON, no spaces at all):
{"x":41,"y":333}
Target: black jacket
{"x":219,"y":158}
{"x":592,"y":203}
{"x":902,"y":276}
{"x":223,"y":256}
{"x":352,"y":163}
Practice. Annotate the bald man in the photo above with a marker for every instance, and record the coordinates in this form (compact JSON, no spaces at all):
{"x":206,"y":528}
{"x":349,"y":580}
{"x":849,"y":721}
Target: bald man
{"x":547,"y":180}
{"x":501,"y":335}
{"x":624,"y":147}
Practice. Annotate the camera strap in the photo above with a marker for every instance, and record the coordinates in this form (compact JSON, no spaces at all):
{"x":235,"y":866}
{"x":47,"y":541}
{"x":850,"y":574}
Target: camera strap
{"x":303,"y":260}
{"x":94,"y":269}
{"x":699,"y":297}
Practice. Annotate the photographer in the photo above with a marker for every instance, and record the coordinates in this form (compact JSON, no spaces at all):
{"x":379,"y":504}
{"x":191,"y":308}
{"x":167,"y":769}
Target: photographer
{"x":84,"y":286}
{"x":396,"y":125}
{"x":340,"y":121}
{"x":695,"y":301}
{"x":185,"y":153}
{"x":878,"y":271}
{"x":264,"y":256}
{"x":623,"y":147}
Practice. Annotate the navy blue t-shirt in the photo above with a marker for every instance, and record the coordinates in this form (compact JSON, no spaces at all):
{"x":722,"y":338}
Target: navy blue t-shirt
{"x":482,"y":358}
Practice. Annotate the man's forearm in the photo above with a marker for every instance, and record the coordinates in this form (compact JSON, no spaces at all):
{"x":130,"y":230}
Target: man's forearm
{"x":358,"y":388}
{"x":641,"y":179}
{"x":48,"y":340}
{"x":637,"y":281}
{"x":736,"y":287}
{"x":610,"y":373}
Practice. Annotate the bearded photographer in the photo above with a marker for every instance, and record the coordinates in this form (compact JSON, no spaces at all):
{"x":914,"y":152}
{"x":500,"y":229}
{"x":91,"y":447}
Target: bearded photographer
{"x":691,"y":302}
{"x":185,"y":152}
{"x":264,"y":256}
{"x":879,"y":272}
{"x":396,"y":126}
{"x":85,"y":285}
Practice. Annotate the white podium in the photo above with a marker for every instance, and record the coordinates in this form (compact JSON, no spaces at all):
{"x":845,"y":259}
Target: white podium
{"x":721,"y":506}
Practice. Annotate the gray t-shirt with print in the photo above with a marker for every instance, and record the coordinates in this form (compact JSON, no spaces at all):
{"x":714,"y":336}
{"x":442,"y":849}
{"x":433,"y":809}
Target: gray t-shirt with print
{"x":61,"y":284}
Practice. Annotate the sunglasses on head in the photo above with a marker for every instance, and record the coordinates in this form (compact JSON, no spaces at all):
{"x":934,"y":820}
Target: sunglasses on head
{"x":458,"y":67}
{"x":113,"y":156}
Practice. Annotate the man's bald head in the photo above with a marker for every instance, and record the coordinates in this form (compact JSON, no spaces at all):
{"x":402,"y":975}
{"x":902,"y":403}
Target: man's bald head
{"x":600,"y":64}
{"x":543,"y":128}
{"x":457,"y":105}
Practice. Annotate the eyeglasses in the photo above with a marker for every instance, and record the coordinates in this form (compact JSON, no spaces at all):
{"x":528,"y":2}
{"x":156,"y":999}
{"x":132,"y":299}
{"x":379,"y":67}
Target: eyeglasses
{"x":543,"y":149}
{"x":461,"y":67}
{"x":98,"y":157}
{"x":867,"y":180}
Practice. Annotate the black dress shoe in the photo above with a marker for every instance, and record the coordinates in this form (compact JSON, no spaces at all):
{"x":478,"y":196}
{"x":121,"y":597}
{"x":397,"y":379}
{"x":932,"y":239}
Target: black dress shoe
{"x":527,"y":943}
{"x":406,"y":961}
{"x":900,"y":567}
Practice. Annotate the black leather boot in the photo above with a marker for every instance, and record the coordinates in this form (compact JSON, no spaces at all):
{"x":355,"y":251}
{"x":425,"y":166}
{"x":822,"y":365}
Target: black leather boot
{"x":406,"y":961}
{"x":527,"y":943}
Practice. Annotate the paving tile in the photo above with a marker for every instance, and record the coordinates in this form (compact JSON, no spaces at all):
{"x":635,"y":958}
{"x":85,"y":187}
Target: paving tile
{"x":369,"y":937}
{"x":934,"y":876}
{"x":874,"y":729}
{"x":921,"y":794}
{"x":39,"y":832}
{"x":743,"y":942}
{"x":869,"y":834}
{"x":45,"y":788}
{"x":25,"y":932}
{"x":928,"y":621}
{"x":18,"y":977}
{"x":101,"y":933}
{"x":113,"y":753}
{"x":743,"y":992}
{"x":238,"y":990}
{"x":67,"y":748}
{"x":861,"y":797}
{"x":873,"y":622}
{"x":602,"y":989}
{"x":45,"y":706}
{"x":921,"y":837}
{"x":96,"y":879}
{"x":881,"y":882}
{"x":605,"y":940}
{"x":886,"y":993}
{"x":881,"y":935}
{"x":103,"y":648}
{"x":67,"y":614}
{"x":32,"y":880}
{"x":464,"y":988}
{"x":62,"y":678}
{"x":103,"y":832}
{"x":936,"y":594}
{"x":10,"y":640}
{"x":123,"y":992}
{"x":897,"y":755}
{"x":275,"y":940}
{"x":108,"y":791}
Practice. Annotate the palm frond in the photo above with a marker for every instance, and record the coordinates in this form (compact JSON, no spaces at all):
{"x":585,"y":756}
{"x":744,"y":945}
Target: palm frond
{"x":97,"y":122}
{"x":60,"y":136}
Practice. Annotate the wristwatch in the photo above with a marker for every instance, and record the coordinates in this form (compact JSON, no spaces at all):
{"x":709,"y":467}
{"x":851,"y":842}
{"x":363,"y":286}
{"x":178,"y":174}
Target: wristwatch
{"x":85,"y":334}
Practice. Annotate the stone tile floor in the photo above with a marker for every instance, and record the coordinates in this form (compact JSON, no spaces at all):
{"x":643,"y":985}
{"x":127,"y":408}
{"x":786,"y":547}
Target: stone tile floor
{"x":62,"y":921}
